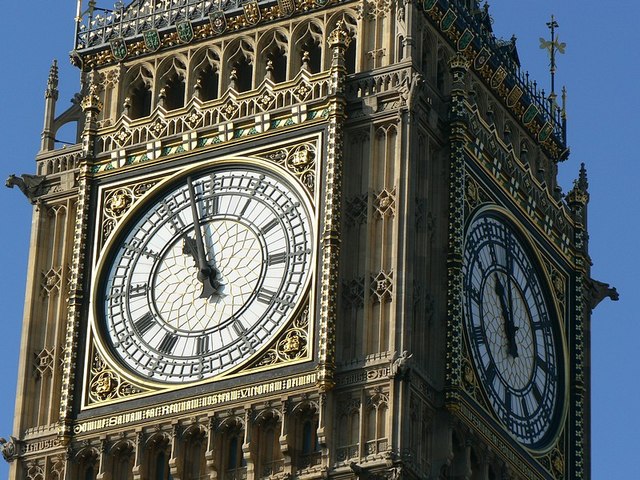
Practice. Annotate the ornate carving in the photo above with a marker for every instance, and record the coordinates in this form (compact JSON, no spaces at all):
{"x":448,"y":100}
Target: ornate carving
{"x":382,"y":287}
{"x":118,"y":201}
{"x":301,"y":161}
{"x":385,"y":203}
{"x":291,"y":345}
{"x":469,"y":377}
{"x":50,"y":280}
{"x":32,"y":186}
{"x":106,"y":384}
{"x":353,"y":293}
{"x":43,"y":362}
{"x":400,"y":365}
{"x":9,"y":449}
{"x":356,"y":209}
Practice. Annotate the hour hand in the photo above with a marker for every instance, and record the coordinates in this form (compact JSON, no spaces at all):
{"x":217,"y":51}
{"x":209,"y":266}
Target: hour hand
{"x":209,"y":275}
{"x":189,"y":248}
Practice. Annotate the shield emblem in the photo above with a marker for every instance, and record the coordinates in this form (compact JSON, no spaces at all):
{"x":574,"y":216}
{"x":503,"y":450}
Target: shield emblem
{"x":287,"y":7}
{"x":482,"y":58}
{"x":151,"y":39}
{"x":498,"y":77}
{"x":529,"y":114}
{"x":118,"y":48}
{"x":545,"y":131}
{"x":447,"y":21}
{"x":514,"y":96}
{"x":218,"y":22}
{"x":185,"y":31}
{"x":465,"y":39}
{"x":429,"y":4}
{"x":252,"y":12}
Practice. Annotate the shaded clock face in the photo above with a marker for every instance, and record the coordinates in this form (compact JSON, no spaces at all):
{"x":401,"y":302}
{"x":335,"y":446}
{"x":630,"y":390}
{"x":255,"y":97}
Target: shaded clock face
{"x":512,"y":331}
{"x":205,"y":273}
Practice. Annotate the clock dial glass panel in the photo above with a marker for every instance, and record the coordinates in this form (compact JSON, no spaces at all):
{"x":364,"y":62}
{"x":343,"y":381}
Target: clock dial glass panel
{"x":206,"y":274}
{"x":511,"y":330}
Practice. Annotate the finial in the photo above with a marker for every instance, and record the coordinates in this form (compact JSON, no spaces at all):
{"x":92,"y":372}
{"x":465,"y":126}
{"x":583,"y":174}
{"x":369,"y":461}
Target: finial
{"x":233,"y":78}
{"x":552,"y":46}
{"x":269,"y":68}
{"x":52,"y":81}
{"x":306,"y":60}
{"x":583,"y":183}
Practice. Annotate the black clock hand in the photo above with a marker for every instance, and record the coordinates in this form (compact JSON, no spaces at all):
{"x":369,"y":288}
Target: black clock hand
{"x":509,"y":327}
{"x":510,"y":297}
{"x":206,"y":274}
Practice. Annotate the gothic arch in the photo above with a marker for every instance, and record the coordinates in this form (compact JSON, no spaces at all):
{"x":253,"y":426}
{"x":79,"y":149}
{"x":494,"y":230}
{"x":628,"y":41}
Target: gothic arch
{"x":205,"y":74}
{"x":307,"y":47}
{"x":86,"y":463}
{"x":122,"y":459}
{"x":273,"y":52}
{"x":443,"y":76}
{"x":194,"y":463}
{"x":137,"y":99}
{"x":238,"y":65}
{"x":171,"y":83}
{"x":352,"y":54}
{"x":157,"y":455}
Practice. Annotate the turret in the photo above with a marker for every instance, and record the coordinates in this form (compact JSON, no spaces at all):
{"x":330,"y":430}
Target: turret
{"x":50,"y":96}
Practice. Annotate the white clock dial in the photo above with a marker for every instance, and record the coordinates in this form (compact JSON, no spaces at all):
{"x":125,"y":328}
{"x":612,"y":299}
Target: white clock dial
{"x":206,"y":273}
{"x":511,"y":329}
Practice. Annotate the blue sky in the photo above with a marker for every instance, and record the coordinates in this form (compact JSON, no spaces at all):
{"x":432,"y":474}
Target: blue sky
{"x":603,"y":127}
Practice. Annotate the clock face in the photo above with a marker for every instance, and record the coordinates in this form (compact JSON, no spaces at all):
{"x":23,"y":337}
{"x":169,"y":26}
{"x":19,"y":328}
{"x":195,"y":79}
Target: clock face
{"x":512,"y":330}
{"x":205,"y":273}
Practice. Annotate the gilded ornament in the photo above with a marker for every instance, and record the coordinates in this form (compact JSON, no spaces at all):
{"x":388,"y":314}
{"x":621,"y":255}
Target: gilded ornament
{"x":118,"y":203}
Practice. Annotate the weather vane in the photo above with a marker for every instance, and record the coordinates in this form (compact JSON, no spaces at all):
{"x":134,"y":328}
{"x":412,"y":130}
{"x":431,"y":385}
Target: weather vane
{"x":552,"y":46}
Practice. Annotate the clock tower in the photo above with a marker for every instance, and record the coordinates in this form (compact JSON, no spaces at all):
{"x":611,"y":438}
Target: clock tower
{"x":303,"y":239}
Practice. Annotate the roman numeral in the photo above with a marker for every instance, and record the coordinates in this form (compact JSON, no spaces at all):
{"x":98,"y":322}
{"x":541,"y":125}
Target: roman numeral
{"x":144,"y":323}
{"x":211,"y":205}
{"x":491,"y":372}
{"x":535,"y":390}
{"x":544,"y":366}
{"x":242,"y":334}
{"x":168,"y":343}
{"x":202,"y":345}
{"x":244,"y":208}
{"x":265,"y":296}
{"x":139,"y":290}
{"x":507,"y":400}
{"x":478,"y":334}
{"x":142,"y":251}
{"x":174,"y":220}
{"x":269,"y":226}
{"x":277,"y":258}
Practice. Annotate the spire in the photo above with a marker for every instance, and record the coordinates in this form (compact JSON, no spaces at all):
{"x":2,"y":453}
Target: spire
{"x":578,"y":197}
{"x":52,"y":81}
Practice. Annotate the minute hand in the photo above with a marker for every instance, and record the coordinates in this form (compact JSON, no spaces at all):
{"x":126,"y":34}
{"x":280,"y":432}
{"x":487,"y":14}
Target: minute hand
{"x":509,"y":326}
{"x":204,"y":269}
